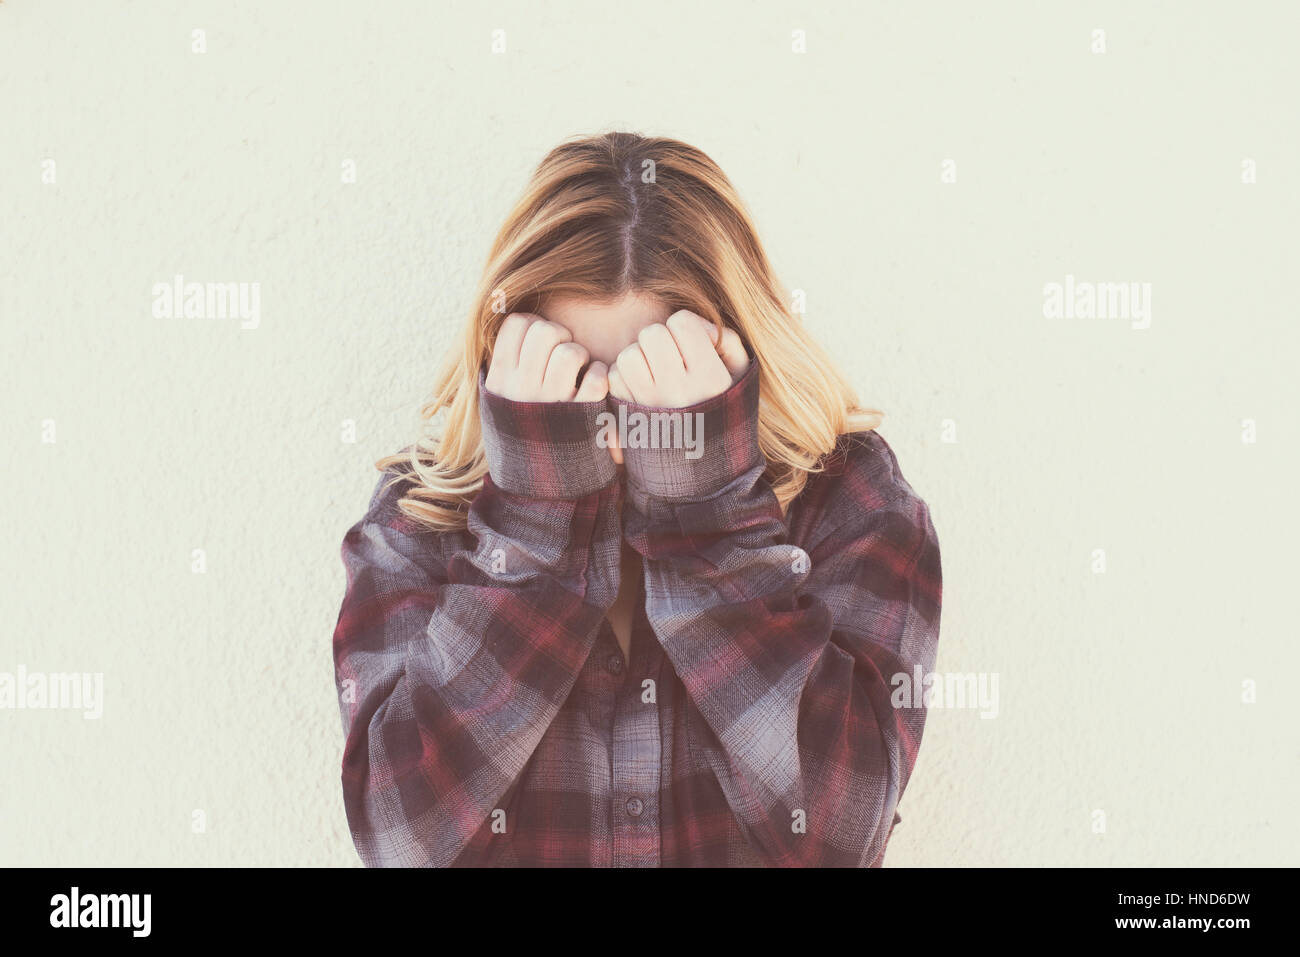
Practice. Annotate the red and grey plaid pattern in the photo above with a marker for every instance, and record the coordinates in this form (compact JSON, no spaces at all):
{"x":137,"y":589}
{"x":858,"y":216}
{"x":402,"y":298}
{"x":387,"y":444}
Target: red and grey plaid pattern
{"x":728,"y":440}
{"x":532,"y":450}
{"x":490,"y":718}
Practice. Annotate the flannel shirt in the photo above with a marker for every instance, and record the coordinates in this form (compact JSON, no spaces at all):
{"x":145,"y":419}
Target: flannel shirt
{"x":490,"y":718}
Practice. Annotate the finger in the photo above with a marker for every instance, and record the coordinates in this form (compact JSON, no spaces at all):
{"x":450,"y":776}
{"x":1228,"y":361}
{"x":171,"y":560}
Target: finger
{"x":694,"y":336}
{"x":609,"y":435}
{"x":617,"y":387}
{"x":505,"y":351}
{"x":541,"y":338}
{"x":733,"y":354}
{"x":560,"y":383}
{"x":635,"y":374}
{"x":595,"y":384}
{"x":660,"y":349}
{"x":510,"y":337}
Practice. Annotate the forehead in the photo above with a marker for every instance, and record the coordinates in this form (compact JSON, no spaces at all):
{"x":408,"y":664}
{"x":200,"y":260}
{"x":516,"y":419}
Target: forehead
{"x":633,"y":310}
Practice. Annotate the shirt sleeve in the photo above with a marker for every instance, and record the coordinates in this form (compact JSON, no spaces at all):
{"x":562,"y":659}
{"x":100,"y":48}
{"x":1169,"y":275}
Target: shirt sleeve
{"x":454,"y":652}
{"x":789,"y":657}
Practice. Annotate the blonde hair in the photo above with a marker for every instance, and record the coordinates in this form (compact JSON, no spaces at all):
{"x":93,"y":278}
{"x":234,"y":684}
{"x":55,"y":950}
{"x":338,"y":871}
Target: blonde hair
{"x":616,"y":213}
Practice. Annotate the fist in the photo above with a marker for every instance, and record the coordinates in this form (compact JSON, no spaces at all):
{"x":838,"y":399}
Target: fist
{"x":678,"y":363}
{"x":534,"y":360}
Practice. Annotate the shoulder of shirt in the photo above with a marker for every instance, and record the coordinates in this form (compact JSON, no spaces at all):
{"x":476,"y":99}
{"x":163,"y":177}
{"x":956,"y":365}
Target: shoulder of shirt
{"x":861,"y":475}
{"x":392,"y":485}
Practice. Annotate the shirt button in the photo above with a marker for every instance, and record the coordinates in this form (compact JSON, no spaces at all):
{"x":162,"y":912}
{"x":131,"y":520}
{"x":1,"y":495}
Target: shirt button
{"x":615,"y":664}
{"x":635,"y":807}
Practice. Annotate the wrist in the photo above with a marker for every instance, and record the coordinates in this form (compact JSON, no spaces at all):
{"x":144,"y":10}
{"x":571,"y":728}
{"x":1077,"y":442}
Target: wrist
{"x":544,"y":450}
{"x":691,"y":452}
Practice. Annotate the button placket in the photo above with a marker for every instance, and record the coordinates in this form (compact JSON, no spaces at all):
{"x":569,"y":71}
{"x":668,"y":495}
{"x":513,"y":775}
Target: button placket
{"x":637,"y":753}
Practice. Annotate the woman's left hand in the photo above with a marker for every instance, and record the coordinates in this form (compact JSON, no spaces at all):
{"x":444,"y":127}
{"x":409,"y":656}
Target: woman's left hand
{"x":678,"y":363}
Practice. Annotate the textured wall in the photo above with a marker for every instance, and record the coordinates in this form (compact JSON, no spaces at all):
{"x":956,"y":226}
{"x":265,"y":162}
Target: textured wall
{"x":132,"y":439}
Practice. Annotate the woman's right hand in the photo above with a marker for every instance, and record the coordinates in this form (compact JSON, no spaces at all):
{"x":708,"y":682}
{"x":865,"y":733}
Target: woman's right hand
{"x":535,"y":360}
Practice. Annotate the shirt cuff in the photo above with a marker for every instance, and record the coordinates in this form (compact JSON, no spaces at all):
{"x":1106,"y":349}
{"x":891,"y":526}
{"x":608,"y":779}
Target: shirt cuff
{"x":702,"y":447}
{"x":543,"y":449}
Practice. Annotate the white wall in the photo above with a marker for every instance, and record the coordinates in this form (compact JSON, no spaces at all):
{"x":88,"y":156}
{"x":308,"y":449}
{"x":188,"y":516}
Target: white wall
{"x":1119,"y":692}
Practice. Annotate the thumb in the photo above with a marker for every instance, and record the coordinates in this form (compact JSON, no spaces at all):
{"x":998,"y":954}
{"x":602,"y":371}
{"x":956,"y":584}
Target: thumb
{"x":595,"y":384}
{"x":733,"y":354}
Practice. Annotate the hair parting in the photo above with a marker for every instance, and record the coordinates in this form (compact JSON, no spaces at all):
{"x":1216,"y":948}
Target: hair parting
{"x":603,"y":216}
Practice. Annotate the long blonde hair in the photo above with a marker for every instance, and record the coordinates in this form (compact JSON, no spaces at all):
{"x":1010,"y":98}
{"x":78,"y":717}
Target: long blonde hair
{"x":616,"y":213}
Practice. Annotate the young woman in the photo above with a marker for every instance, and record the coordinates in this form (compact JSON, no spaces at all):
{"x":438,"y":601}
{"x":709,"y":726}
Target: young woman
{"x":568,"y":640}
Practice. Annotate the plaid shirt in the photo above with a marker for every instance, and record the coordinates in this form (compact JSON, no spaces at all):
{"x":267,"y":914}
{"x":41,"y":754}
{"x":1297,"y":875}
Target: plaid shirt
{"x":490,"y":718}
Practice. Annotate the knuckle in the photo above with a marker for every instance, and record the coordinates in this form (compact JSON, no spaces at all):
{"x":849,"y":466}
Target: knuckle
{"x":680,"y":321}
{"x":633,"y":366}
{"x":517,"y":323}
{"x":554,"y":329}
{"x":539,"y":329}
{"x":570,"y":352}
{"x":653,"y":333}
